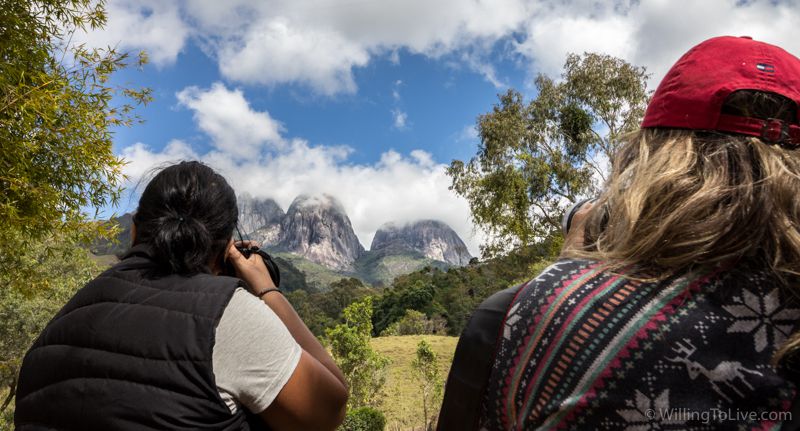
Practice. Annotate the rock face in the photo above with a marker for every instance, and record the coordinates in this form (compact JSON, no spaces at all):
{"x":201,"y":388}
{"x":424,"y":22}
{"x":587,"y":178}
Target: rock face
{"x":433,"y":238}
{"x":260,"y":219}
{"x":317,"y":228}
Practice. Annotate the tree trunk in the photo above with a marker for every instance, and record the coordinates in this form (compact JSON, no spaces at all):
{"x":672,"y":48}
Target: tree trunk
{"x":12,"y":390}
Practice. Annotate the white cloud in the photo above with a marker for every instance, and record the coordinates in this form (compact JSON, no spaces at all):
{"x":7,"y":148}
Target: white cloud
{"x":396,"y":188}
{"x":276,"y":51}
{"x":550,"y":38}
{"x":153,"y":25}
{"x":468,"y":134}
{"x":400,"y":119}
{"x":484,"y":67}
{"x":319,"y":44}
{"x":141,"y":159}
{"x":396,"y":90}
{"x":226,"y":116}
{"x":316,"y":44}
{"x":663,"y":34}
{"x":651,"y":33}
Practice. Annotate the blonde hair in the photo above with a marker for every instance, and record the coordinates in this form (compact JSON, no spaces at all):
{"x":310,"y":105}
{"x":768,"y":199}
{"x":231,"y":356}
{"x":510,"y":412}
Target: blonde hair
{"x":680,"y":200}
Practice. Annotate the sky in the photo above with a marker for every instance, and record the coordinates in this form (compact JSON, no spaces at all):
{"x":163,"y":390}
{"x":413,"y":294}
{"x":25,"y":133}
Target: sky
{"x":370,"y":100}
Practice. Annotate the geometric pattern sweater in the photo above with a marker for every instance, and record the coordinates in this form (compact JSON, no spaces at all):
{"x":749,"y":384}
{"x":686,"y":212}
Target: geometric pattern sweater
{"x":583,"y":348}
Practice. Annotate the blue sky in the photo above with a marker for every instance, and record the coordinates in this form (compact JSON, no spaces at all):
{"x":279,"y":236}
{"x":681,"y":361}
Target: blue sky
{"x":370,"y":100}
{"x":438,"y":102}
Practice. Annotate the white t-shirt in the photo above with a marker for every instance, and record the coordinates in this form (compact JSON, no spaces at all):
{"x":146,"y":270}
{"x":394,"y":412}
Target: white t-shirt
{"x":254,"y":354}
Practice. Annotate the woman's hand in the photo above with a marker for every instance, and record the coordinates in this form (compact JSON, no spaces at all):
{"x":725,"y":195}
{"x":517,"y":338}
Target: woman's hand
{"x":252,"y":270}
{"x":317,"y":385}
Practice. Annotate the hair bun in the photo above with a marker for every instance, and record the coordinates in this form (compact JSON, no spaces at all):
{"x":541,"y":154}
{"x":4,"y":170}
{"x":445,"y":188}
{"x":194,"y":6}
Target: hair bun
{"x":186,"y":214}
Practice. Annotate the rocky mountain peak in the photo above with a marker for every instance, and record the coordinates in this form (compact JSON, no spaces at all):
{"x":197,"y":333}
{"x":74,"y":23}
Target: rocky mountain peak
{"x":260,"y":219}
{"x":255,"y":213}
{"x":433,"y":238}
{"x":317,"y":228}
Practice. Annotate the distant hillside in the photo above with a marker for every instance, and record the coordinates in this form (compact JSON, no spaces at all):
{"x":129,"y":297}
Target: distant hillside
{"x":382,"y":266}
{"x":315,"y":276}
{"x":455,"y":292}
{"x":318,"y":245}
{"x":451,"y":294}
{"x":123,"y":240}
{"x":292,"y":277}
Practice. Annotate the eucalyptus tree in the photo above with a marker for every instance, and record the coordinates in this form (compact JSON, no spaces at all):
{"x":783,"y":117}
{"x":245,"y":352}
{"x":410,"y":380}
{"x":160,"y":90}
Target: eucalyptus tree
{"x":536,"y":157}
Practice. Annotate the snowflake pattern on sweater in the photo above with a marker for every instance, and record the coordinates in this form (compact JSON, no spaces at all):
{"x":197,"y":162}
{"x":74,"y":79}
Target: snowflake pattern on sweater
{"x":584,"y":348}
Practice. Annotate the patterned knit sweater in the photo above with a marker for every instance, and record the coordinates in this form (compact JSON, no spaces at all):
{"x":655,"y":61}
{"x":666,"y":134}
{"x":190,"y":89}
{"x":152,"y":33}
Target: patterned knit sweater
{"x":582,"y":348}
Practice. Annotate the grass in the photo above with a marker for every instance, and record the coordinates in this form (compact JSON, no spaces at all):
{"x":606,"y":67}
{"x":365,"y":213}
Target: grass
{"x":402,"y":404}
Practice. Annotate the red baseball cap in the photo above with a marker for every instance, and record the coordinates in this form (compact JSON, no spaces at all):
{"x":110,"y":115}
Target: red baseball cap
{"x":692,"y":93}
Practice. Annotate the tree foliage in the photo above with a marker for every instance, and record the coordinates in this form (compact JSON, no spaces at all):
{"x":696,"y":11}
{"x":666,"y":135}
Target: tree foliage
{"x":23,"y":314}
{"x":535,"y":158}
{"x":416,"y":323}
{"x":321,"y":310}
{"x":364,"y":419}
{"x":453,"y":294}
{"x":426,"y":371}
{"x":415,"y":295}
{"x":363,"y":367}
{"x":57,"y":105}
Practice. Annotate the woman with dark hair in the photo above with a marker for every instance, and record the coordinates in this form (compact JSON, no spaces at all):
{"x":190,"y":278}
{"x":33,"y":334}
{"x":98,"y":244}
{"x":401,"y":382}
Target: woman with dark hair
{"x":673,"y":305}
{"x":162,"y":341}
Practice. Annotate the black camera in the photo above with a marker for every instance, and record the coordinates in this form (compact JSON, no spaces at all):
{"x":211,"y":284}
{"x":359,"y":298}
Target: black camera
{"x":272,"y":267}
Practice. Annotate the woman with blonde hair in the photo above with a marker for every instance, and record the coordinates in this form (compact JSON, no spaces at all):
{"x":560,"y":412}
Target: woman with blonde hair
{"x":673,"y":305}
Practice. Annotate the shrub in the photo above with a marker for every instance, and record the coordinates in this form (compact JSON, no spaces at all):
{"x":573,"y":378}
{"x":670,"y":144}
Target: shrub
{"x":364,"y":419}
{"x":364,"y":369}
{"x":427,"y":373}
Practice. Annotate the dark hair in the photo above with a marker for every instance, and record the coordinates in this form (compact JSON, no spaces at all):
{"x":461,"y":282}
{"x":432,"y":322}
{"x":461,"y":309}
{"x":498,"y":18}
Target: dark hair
{"x":187,"y":215}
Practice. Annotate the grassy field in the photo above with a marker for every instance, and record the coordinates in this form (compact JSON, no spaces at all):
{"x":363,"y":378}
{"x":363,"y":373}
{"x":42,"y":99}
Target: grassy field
{"x":403,"y":404}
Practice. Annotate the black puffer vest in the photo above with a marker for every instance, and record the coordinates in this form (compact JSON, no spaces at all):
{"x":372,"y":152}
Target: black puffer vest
{"x":130,"y":352}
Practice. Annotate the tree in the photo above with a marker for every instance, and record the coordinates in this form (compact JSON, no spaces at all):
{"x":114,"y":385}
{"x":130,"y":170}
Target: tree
{"x":57,"y":106}
{"x":536,"y":158}
{"x":416,"y":323}
{"x":392,"y":305}
{"x":321,"y":310}
{"x":426,"y":370}
{"x":23,"y":314}
{"x":363,"y":367}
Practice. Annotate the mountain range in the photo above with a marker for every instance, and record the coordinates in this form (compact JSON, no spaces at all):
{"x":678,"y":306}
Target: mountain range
{"x":316,"y":239}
